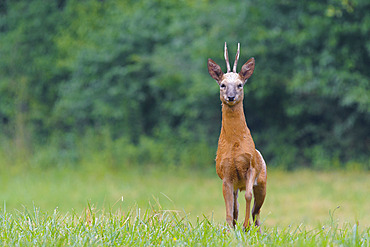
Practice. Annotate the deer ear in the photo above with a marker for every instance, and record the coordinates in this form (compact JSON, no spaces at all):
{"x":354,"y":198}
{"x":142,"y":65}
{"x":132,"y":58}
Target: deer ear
{"x":214,"y":70}
{"x":247,"y":69}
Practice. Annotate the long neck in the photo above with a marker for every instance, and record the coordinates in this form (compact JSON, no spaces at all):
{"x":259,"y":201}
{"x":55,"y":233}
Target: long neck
{"x":234,"y":125}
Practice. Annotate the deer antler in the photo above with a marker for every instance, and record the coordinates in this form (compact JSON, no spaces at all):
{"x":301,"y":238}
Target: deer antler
{"x":236,"y":58}
{"x":227,"y":59}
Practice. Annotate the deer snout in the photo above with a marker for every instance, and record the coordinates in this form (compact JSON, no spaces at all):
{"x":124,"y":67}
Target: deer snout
{"x":231,"y":95}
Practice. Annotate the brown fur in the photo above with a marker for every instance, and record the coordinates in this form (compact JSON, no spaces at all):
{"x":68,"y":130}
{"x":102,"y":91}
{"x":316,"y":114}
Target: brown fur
{"x":238,"y":163}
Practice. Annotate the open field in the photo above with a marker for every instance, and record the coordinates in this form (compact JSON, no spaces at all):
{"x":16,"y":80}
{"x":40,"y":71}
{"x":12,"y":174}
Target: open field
{"x":152,"y":206}
{"x":156,"y":227}
{"x":293,"y":198}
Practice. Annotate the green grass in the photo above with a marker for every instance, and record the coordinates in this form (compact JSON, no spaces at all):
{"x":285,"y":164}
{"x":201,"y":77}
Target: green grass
{"x":158,"y":227}
{"x":143,"y":206}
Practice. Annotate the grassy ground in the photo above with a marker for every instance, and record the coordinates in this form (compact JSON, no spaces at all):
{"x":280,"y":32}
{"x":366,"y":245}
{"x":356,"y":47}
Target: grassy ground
{"x":301,"y":202}
{"x":158,"y":227}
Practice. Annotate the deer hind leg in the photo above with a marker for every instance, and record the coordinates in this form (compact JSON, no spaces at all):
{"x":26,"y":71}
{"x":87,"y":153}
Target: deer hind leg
{"x":259,"y":192}
{"x":227,"y":191}
{"x":236,"y":207}
{"x":251,"y":174}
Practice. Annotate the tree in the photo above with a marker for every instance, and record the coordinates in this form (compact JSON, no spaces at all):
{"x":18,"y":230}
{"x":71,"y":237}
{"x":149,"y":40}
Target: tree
{"x":27,"y":70}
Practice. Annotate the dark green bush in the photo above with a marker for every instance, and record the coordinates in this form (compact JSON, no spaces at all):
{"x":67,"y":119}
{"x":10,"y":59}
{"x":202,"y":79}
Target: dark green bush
{"x":136,"y":71}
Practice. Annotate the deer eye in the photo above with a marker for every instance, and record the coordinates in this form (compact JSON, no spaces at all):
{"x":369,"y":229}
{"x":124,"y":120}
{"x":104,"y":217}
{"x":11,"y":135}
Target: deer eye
{"x":223,"y":86}
{"x":240,"y":85}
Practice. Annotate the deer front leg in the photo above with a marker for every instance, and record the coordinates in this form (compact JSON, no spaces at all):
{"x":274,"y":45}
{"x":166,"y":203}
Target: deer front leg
{"x":251,"y":174}
{"x":236,"y":207}
{"x":227,"y":191}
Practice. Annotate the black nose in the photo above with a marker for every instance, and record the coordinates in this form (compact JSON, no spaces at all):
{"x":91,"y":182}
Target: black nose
{"x":231,"y":98}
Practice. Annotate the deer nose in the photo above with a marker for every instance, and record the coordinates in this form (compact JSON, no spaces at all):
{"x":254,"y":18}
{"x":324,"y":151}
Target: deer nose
{"x":231,"y":98}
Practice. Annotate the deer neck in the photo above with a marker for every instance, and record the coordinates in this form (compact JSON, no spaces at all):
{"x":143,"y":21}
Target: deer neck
{"x":234,"y":126}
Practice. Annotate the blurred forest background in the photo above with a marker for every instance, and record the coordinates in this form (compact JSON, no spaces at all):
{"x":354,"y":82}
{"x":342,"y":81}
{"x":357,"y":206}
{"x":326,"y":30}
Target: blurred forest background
{"x":126,"y":82}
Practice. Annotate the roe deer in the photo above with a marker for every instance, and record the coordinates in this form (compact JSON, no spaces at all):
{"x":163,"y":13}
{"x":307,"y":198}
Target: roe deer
{"x":238,"y":163}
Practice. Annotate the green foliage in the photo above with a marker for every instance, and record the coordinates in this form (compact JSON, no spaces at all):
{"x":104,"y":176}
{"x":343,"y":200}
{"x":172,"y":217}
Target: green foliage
{"x":136,"y":71}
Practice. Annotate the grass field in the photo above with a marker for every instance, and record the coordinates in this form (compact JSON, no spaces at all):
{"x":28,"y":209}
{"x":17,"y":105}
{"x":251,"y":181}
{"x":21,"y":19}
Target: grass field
{"x":95,"y":205}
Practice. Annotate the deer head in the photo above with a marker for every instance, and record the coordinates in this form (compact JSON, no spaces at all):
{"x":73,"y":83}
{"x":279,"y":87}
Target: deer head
{"x":232,"y":83}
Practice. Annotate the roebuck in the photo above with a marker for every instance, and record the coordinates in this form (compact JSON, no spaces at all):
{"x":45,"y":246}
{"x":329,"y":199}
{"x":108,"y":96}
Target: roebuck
{"x":238,"y":163}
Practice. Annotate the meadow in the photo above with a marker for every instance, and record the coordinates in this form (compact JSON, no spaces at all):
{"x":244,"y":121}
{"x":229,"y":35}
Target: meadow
{"x":153,"y":205}
{"x":109,"y":121}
